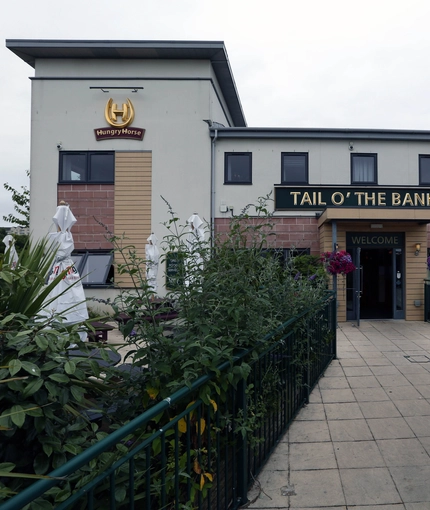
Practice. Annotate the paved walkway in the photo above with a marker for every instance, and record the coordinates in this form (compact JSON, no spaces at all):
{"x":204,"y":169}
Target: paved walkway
{"x":363,"y":442}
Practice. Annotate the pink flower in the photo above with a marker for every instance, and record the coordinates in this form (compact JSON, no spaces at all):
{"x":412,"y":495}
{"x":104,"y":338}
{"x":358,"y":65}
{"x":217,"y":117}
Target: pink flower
{"x":338,"y":262}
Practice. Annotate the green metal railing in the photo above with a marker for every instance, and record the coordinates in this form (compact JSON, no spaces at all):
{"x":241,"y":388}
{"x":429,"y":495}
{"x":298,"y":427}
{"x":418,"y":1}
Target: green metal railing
{"x":207,"y":454}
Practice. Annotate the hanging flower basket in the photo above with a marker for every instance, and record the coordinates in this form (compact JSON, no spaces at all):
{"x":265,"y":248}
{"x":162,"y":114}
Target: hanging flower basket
{"x":338,"y":262}
{"x":428,"y":263}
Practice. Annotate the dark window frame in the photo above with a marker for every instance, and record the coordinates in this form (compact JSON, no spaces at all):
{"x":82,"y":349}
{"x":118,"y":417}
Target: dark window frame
{"x":233,"y":154}
{"x":284,"y":255}
{"x":107,"y":274}
{"x":306,"y":168}
{"x":356,"y":156}
{"x":87,"y":179}
{"x":422,"y":157}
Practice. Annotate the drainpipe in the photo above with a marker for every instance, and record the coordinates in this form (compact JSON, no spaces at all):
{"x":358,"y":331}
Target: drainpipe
{"x":213,"y":185}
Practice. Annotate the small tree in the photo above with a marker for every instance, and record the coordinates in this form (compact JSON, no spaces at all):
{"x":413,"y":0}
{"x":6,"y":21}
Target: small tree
{"x":21,"y":200}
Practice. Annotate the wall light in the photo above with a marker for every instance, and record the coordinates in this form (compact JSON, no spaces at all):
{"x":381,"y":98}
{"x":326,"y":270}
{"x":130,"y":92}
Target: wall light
{"x":351,"y":146}
{"x":417,"y":249}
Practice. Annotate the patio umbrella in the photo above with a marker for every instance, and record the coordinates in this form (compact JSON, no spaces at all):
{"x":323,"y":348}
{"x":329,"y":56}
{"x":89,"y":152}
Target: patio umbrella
{"x":196,"y":235}
{"x":70,"y":301}
{"x":152,"y":259}
{"x":10,"y":251}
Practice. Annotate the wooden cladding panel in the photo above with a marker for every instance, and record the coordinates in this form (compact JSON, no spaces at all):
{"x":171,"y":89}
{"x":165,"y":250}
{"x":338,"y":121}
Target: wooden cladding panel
{"x":133,"y":195}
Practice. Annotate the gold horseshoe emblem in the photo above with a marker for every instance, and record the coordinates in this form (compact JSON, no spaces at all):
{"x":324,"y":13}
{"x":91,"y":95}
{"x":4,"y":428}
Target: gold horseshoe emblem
{"x":112,"y":112}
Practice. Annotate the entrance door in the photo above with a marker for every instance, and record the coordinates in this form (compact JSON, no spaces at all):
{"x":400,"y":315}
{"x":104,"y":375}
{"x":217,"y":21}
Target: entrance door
{"x":376,"y":289}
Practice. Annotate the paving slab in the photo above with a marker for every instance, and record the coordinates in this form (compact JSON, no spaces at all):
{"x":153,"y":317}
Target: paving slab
{"x":363,"y":441}
{"x":350,"y":430}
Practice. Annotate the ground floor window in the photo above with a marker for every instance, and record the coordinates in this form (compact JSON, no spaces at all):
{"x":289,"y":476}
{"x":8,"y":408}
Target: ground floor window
{"x":95,"y":267}
{"x":284,"y":255}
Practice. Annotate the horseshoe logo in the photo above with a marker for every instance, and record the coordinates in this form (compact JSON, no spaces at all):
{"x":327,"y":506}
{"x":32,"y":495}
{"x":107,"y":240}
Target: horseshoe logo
{"x":112,"y":112}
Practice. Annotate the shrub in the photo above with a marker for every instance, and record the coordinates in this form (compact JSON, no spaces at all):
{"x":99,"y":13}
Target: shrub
{"x":44,"y":394}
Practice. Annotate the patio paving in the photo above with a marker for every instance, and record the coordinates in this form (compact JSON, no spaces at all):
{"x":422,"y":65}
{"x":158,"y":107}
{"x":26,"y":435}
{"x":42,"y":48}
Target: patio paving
{"x":363,"y":441}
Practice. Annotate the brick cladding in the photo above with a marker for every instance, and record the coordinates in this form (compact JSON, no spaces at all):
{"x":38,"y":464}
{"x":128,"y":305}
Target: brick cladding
{"x":291,"y":232}
{"x":88,"y":203}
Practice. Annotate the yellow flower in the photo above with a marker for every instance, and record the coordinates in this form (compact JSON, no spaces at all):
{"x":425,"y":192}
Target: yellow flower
{"x":152,"y":392}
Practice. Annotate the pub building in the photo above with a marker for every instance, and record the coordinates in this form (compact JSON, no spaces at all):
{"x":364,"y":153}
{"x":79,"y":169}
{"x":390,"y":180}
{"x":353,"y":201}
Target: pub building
{"x":116,"y":125}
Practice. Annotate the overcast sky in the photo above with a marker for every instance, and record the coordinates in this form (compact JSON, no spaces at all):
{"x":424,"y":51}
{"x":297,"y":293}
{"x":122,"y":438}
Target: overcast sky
{"x":301,"y":63}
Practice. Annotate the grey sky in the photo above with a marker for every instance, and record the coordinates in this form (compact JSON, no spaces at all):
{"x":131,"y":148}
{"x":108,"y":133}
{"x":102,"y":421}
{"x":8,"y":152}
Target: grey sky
{"x":303,"y":63}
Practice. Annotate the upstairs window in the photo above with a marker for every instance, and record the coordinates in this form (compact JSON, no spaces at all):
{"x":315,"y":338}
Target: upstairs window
{"x":363,"y":168}
{"x":424,"y":168}
{"x":238,"y":168}
{"x":294,"y":168}
{"x":87,"y":167}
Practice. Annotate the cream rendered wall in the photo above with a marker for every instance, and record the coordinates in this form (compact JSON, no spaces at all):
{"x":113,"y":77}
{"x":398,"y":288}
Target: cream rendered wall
{"x":329,"y":164}
{"x":171,"y":109}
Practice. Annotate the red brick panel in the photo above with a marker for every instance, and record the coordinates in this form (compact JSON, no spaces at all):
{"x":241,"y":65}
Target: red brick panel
{"x":290,"y":232}
{"x":90,"y":203}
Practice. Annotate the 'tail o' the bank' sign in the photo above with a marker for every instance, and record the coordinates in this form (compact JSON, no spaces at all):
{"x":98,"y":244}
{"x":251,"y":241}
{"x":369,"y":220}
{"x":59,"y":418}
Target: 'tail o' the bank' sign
{"x":119,"y":128}
{"x":320,"y":197}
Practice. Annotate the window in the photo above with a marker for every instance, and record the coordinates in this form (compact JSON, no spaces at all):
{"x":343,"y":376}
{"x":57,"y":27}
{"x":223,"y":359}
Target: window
{"x":238,"y":168}
{"x":424,"y":164}
{"x":85,"y":167}
{"x":363,"y":169}
{"x":294,"y":168}
{"x":285,"y":255}
{"x":95,"y":268}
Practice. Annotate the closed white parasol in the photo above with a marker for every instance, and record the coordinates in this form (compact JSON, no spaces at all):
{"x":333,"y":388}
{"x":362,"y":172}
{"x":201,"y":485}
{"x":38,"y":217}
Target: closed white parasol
{"x":11,"y":257}
{"x":195,"y":238}
{"x":152,"y":260}
{"x":69,"y":298}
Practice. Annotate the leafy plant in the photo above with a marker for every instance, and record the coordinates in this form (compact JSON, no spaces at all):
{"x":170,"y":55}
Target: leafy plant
{"x":227,"y":292}
{"x":21,"y":200}
{"x":44,"y":393}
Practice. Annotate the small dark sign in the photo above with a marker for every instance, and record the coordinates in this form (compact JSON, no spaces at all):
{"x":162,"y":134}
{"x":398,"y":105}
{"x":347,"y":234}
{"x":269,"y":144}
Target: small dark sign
{"x":375,"y":240}
{"x":107,"y":133}
{"x":174,"y":270}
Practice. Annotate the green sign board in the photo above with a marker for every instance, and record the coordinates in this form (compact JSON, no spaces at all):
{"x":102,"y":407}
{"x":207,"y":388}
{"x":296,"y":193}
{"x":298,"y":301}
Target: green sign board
{"x":320,"y":197}
{"x":174,"y":270}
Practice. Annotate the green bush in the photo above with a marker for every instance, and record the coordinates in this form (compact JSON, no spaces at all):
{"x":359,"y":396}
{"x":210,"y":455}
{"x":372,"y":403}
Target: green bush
{"x":235,"y":294}
{"x":235,"y":297}
{"x":44,"y":394}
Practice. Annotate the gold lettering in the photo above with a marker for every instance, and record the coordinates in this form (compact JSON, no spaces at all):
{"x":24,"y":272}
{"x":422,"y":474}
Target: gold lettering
{"x":408,"y":199}
{"x":395,"y":199}
{"x":320,"y":202}
{"x":359,"y":194}
{"x":419,"y":199}
{"x":369,"y":198}
{"x":295,"y":195}
{"x":337,"y":198}
{"x":306,"y":199}
{"x":381,"y":199}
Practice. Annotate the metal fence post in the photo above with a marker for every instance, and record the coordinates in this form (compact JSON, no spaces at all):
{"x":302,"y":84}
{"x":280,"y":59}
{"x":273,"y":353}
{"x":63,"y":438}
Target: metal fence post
{"x":242,"y":450}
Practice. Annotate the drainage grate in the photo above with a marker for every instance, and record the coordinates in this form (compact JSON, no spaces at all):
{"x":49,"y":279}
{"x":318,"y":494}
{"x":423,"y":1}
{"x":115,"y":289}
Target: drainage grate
{"x":418,"y":359}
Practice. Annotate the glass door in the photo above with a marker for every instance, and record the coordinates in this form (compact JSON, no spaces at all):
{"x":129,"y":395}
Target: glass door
{"x":399,"y":279}
{"x":354,"y":284}
{"x":375,"y":290}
